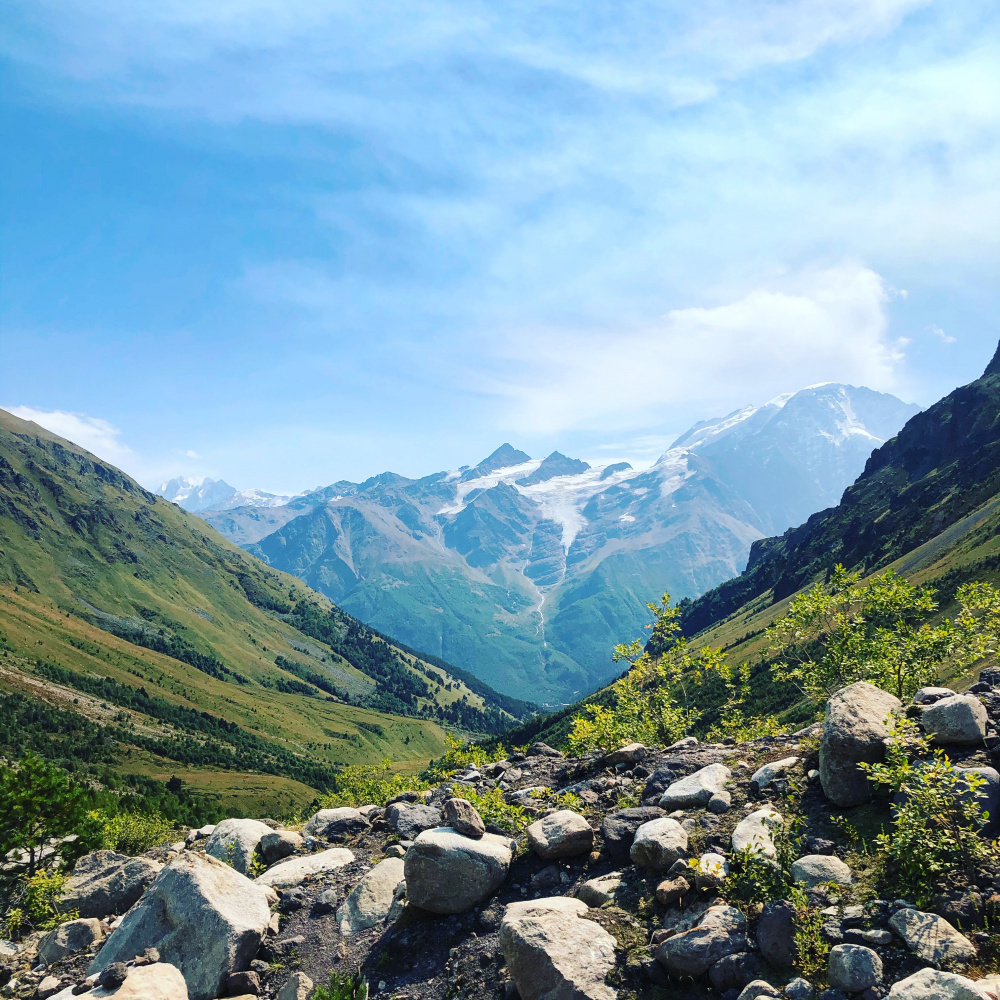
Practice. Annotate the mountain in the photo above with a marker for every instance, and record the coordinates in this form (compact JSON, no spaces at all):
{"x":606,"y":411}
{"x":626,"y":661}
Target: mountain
{"x":196,"y":494}
{"x":529,"y":571}
{"x":129,"y":621}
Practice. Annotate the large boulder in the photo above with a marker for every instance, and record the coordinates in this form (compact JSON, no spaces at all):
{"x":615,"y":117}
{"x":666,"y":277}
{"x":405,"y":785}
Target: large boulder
{"x":696,"y":789}
{"x":618,"y":829}
{"x":553,"y":954}
{"x":853,"y":967}
{"x":753,"y":832}
{"x":279,"y":844}
{"x":68,"y":938}
{"x":371,"y":899}
{"x":235,"y":841}
{"x":931,"y":938}
{"x":160,"y":981}
{"x":658,"y":844}
{"x":448,"y":873}
{"x":296,"y":870}
{"x":854,"y":732}
{"x":960,"y":719}
{"x":988,"y":795}
{"x":776,"y":934}
{"x":202,"y":916}
{"x":930,"y":984}
{"x":721,"y":932}
{"x":105,"y":882}
{"x":411,"y":819}
{"x":561,"y":834}
{"x":817,"y":868}
{"x":336,"y":824}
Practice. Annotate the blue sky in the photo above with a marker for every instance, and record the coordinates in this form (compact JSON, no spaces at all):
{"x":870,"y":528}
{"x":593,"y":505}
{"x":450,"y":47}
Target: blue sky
{"x":286,"y":242}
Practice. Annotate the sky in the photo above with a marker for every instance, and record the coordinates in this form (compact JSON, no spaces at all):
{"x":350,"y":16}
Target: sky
{"x":285,"y":242}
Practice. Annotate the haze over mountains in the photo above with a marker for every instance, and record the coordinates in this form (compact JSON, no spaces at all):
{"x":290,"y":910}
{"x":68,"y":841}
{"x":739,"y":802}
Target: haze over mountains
{"x":528,"y":571}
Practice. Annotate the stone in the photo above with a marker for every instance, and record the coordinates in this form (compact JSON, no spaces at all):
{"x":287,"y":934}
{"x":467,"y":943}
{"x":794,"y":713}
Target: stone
{"x":618,"y":829}
{"x":720,"y":802}
{"x":721,"y":932}
{"x":161,"y":981}
{"x":854,"y":731}
{"x":733,"y":972}
{"x":199,"y":833}
{"x":853,"y":967}
{"x":763,"y":776}
{"x":753,"y":832}
{"x":598,"y":891}
{"x":395,"y":851}
{"x":461,"y":816}
{"x":631,"y":753}
{"x":816,"y":868}
{"x":296,"y":870}
{"x":712,"y":869}
{"x":326,"y":902}
{"x":672,"y":889}
{"x":799,"y":989}
{"x":279,"y":844}
{"x":235,"y":841}
{"x":336,"y":824}
{"x":114,"y":975}
{"x":960,"y":719}
{"x":929,"y":695}
{"x":370,"y":900}
{"x":987,"y":795}
{"x":105,"y":882}
{"x":776,"y":934}
{"x":930,"y":984}
{"x":553,"y":954}
{"x":68,"y":938}
{"x":409,"y":820}
{"x":931,"y":938}
{"x":759,"y":989}
{"x":696,"y":789}
{"x":243,"y":984}
{"x":448,"y":873}
{"x":561,"y":834}
{"x":203,"y":917}
{"x":658,"y":844}
{"x":543,"y":750}
{"x":48,"y":987}
{"x":297,"y":986}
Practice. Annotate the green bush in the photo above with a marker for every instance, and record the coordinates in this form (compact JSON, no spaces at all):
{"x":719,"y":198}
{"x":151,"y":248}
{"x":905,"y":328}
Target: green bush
{"x":343,"y":986}
{"x":33,"y":903}
{"x":495,"y":809}
{"x":133,"y":833}
{"x":369,"y":784}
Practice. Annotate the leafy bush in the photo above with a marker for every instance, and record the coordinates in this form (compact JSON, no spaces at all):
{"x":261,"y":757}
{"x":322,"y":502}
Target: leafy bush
{"x":343,"y":986}
{"x":459,"y":756}
{"x":32,"y":905}
{"x":812,"y":949}
{"x":133,"y":833}
{"x":495,"y":809}
{"x":369,"y":784}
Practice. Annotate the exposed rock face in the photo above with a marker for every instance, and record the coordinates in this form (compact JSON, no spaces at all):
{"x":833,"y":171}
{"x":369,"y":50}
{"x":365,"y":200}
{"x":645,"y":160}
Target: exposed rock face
{"x":816,"y":868}
{"x":279,"y":844}
{"x":658,"y":844}
{"x":960,"y":719}
{"x":696,"y":789}
{"x":67,"y":938}
{"x":235,"y":840}
{"x":105,"y":882}
{"x":461,"y":816}
{"x":854,"y":731}
{"x":562,"y":834}
{"x":292,"y":872}
{"x":754,"y":832}
{"x":202,"y":916}
{"x":618,"y":829}
{"x":776,"y":934}
{"x":930,"y":984}
{"x":721,"y":932}
{"x":371,"y":899}
{"x":932,"y":938}
{"x":854,"y":968}
{"x":336,"y":824}
{"x":553,"y":954}
{"x":410,"y":820}
{"x":160,"y":981}
{"x":447,"y":873}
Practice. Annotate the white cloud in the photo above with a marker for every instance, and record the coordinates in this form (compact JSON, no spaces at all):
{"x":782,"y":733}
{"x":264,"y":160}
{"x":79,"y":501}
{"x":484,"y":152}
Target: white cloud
{"x":96,"y":435}
{"x":945,"y":338}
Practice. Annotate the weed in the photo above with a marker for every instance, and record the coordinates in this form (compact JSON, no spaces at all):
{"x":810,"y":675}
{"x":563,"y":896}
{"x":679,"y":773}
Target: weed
{"x":812,"y":949}
{"x":495,"y":809}
{"x":343,"y":986}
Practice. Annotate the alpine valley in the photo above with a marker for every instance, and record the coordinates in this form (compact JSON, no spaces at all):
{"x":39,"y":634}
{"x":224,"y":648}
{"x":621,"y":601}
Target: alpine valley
{"x":527,"y":572}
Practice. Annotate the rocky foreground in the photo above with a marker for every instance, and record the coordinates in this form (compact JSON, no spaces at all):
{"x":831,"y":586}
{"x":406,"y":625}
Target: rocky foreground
{"x":618,"y":887}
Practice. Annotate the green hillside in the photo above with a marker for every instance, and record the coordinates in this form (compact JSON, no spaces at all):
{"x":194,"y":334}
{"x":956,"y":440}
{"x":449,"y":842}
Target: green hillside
{"x":139,"y":639}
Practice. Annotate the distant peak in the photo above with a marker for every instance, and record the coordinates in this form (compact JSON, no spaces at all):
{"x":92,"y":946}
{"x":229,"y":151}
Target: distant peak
{"x":503,"y":458}
{"x":993,"y":368}
{"x":554,"y":465}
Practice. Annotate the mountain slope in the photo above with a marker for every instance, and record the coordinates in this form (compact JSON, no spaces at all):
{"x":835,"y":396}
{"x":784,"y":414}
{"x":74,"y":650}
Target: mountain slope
{"x":195,"y":656}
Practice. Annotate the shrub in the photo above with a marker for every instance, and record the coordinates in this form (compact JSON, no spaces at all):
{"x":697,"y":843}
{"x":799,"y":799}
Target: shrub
{"x":133,"y":833}
{"x":458,"y":756}
{"x":343,"y":986}
{"x":369,"y":784}
{"x":495,"y":809}
{"x":34,"y":903}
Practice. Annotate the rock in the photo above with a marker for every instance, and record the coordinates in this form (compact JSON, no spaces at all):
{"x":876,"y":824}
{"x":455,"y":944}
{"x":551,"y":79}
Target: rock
{"x":297,"y":986}
{"x":243,"y":984}
{"x":370,"y":900}
{"x":553,"y":954}
{"x":711,"y":871}
{"x":295,"y":871}
{"x":235,"y":841}
{"x":854,"y":968}
{"x":106,"y":882}
{"x":598,"y":891}
{"x":114,"y":975}
{"x":733,"y":972}
{"x":960,"y":719}
{"x":562,"y":834}
{"x":279,"y":844}
{"x":395,"y":851}
{"x":631,"y":753}
{"x":930,"y":984}
{"x":161,"y":981}
{"x":410,"y":820}
{"x":542,"y":750}
{"x":929,"y":695}
{"x":336,"y":824}
{"x":816,"y":868}
{"x":672,"y":889}
{"x":48,"y":987}
{"x":753,"y":832}
{"x":721,"y":932}
{"x":763,"y":776}
{"x":448,"y":873}
{"x":618,"y":829}
{"x":988,"y":795}
{"x":201,"y":833}
{"x":696,"y":789}
{"x":799,"y":989}
{"x":776,"y":934}
{"x":461,"y":816}
{"x":854,"y":731}
{"x":70,"y":937}
{"x":203,"y":917}
{"x":931,"y":938}
{"x":759,"y":989}
{"x":720,"y":802}
{"x":658,"y":844}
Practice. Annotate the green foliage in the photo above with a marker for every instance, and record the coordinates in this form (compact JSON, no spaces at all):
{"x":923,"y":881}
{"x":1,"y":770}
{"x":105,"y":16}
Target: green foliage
{"x":343,"y":986}
{"x":937,"y":815}
{"x":132,"y":832}
{"x":495,"y":809}
{"x":33,"y":904}
{"x":754,"y":879}
{"x":459,"y":756}
{"x":812,"y":949}
{"x":733,"y":718}
{"x":369,"y":784}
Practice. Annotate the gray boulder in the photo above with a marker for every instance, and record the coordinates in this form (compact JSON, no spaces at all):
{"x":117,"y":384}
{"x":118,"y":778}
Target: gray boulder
{"x":448,"y":873}
{"x":988,"y":795}
{"x":371,"y":899}
{"x":104,"y":882}
{"x":298,"y":986}
{"x":68,"y":938}
{"x":733,"y":972}
{"x":562,"y":834}
{"x":336,"y":824}
{"x":816,"y":868}
{"x":235,"y":841}
{"x":279,"y":844}
{"x":202,"y":916}
{"x":721,"y":932}
{"x":600,"y":890}
{"x":658,"y":844}
{"x":930,"y":984}
{"x":799,"y":989}
{"x":618,"y":829}
{"x":932,"y":938}
{"x":408,"y":819}
{"x":929,"y":695}
{"x":753,"y":832}
{"x":696,"y":789}
{"x":853,"y":968}
{"x":776,"y":934}
{"x":160,"y":981}
{"x":854,"y":731}
{"x":553,"y":954}
{"x":461,"y":816}
{"x":760,"y":989}
{"x":763,"y":776}
{"x":960,"y":719}
{"x":631,"y":753}
{"x":296,"y":870}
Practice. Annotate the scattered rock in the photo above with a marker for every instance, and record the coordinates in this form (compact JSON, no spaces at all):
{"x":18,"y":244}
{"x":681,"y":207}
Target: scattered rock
{"x":598,"y":891}
{"x":696,"y":789}
{"x":721,"y":932}
{"x":712,"y":869}
{"x":48,"y":987}
{"x":243,"y":984}
{"x":854,"y":968}
{"x":988,"y":795}
{"x":960,"y":719}
{"x":754,"y":832}
{"x":336,"y":824}
{"x":370,"y":900}
{"x":720,"y":802}
{"x":552,"y":953}
{"x":201,"y":833}
{"x":297,"y":986}
{"x":931,"y":938}
{"x":733,"y":972}
{"x":618,"y":829}
{"x":658,"y":844}
{"x":816,"y":868}
{"x":672,"y":889}
{"x":410,"y":820}
{"x":562,"y":834}
{"x":760,"y":989}
{"x":70,"y":937}
{"x":930,"y":984}
{"x":799,"y":989}
{"x":235,"y":840}
{"x":106,"y":882}
{"x":279,"y":844}
{"x":542,"y":750}
{"x":763,"y":776}
{"x":632,"y":753}
{"x":929,"y":695}
{"x":114,"y":975}
{"x":776,"y":934}
{"x":296,"y":870}
{"x":461,"y":816}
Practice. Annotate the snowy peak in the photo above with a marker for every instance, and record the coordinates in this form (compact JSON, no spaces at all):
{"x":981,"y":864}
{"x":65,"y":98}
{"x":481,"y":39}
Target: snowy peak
{"x":554,"y":465}
{"x":503,"y":458}
{"x":196,"y":494}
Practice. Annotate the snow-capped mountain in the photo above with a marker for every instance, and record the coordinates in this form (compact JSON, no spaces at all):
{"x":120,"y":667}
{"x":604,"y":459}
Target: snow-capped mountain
{"x":527,"y":571}
{"x":196,"y":494}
